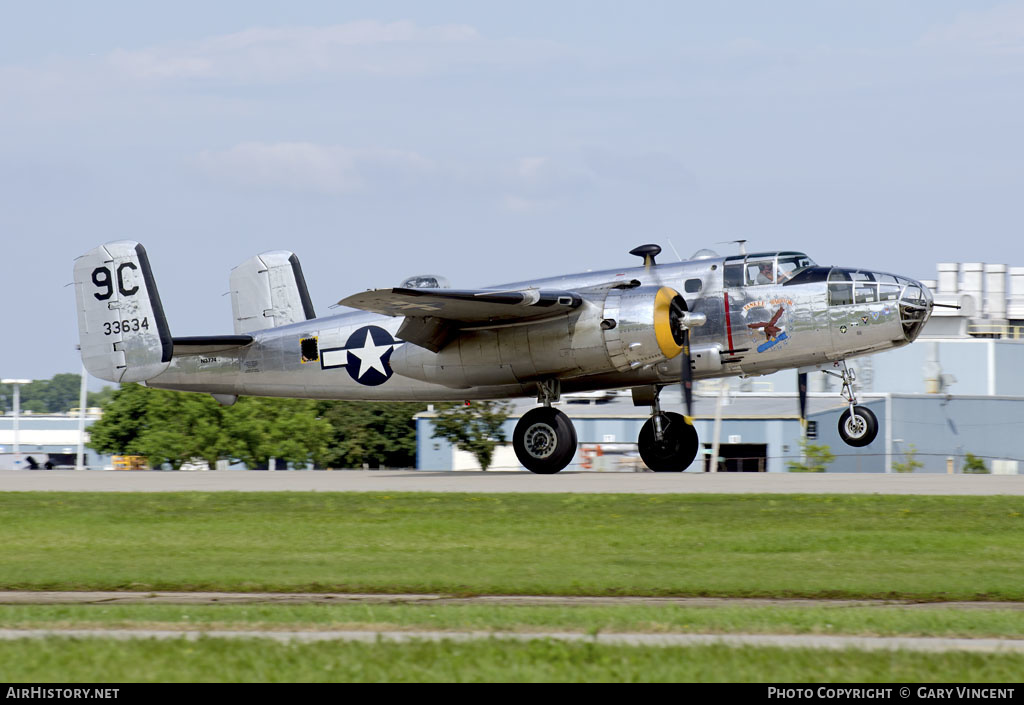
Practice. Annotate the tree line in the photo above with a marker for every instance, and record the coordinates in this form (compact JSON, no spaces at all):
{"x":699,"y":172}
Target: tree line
{"x":177,"y":427}
{"x":52,"y":396}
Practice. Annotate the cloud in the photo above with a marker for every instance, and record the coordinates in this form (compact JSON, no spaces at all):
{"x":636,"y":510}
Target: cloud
{"x":519,"y":204}
{"x":538,"y":183}
{"x":523,"y":185}
{"x":997,"y":30}
{"x":354,"y":48}
{"x":312,"y":168}
{"x":651,"y":170}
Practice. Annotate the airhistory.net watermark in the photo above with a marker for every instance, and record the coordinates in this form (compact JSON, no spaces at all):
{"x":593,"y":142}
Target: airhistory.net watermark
{"x":39,"y":692}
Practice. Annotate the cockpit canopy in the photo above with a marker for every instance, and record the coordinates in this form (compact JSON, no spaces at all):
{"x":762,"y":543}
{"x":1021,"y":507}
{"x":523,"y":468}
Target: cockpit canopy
{"x":426,"y":281}
{"x":765,"y":268}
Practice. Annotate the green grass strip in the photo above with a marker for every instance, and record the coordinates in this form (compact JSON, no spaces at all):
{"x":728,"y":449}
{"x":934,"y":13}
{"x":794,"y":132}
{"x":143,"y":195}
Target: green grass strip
{"x":860,"y":621}
{"x":931,"y":548}
{"x":253,"y":660}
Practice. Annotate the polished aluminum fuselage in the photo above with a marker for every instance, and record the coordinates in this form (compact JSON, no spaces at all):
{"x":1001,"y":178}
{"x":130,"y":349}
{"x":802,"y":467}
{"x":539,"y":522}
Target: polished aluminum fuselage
{"x":749,"y":330}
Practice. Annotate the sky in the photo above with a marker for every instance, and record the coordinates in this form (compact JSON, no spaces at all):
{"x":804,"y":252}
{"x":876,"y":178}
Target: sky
{"x":492,"y":142}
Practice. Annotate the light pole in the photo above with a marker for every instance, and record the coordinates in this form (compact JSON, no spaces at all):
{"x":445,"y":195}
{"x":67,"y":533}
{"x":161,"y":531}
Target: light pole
{"x":17,"y":415}
{"x":82,"y":395}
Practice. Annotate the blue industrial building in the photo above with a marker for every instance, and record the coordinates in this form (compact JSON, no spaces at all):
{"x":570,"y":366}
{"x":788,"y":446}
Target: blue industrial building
{"x":762,"y":432}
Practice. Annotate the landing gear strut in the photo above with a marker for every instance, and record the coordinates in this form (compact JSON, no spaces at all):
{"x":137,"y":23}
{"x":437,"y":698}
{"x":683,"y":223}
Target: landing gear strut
{"x":667,"y":442}
{"x":545,"y":439}
{"x":858,"y":425}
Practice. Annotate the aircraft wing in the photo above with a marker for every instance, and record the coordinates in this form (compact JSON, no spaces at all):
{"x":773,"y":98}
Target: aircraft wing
{"x":466,"y":306}
{"x":434,"y":316}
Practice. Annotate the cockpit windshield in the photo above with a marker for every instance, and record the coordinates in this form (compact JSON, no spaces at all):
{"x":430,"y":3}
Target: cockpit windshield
{"x":765,"y":268}
{"x":792,"y":263}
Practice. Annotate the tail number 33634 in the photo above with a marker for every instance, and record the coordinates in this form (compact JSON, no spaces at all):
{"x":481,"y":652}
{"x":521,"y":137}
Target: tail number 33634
{"x":125,"y":326}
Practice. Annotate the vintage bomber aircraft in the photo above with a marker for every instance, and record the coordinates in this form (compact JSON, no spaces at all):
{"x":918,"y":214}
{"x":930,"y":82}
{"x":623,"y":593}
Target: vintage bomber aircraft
{"x":642,"y":327}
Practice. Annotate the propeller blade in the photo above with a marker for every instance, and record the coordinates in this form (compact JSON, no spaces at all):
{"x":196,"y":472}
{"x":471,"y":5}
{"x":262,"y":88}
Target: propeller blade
{"x":801,"y":386}
{"x":686,"y":371}
{"x":687,"y":377}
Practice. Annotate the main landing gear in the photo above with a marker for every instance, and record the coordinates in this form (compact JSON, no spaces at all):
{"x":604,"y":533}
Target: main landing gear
{"x":667,"y":442}
{"x":545,"y":439}
{"x":858,"y":425}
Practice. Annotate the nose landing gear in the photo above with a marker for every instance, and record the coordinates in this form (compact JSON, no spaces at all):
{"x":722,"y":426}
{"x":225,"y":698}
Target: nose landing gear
{"x":858,"y":425}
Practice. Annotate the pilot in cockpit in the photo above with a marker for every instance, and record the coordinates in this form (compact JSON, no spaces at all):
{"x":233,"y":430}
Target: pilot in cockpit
{"x":766,"y":273}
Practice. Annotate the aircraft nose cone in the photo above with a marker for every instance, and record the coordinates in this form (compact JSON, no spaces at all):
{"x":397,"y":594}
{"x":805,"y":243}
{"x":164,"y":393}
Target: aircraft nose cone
{"x":916,"y":303}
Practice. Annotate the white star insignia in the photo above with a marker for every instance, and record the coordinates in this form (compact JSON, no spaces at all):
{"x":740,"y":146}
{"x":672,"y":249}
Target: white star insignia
{"x":370,"y":356}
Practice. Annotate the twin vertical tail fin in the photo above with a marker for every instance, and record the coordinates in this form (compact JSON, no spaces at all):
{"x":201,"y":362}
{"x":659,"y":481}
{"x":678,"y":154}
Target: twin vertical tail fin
{"x":268,"y":291}
{"x":122,"y":330}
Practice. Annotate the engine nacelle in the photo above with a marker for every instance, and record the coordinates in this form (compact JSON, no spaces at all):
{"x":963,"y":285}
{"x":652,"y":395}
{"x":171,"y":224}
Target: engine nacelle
{"x":647,"y":325}
{"x":615,"y":330}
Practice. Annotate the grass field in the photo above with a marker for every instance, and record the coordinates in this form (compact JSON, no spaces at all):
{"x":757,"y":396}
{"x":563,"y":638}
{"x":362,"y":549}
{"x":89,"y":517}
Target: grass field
{"x":221,"y":660}
{"x":660,"y":619}
{"x":928,"y":548}
{"x":922,"y":548}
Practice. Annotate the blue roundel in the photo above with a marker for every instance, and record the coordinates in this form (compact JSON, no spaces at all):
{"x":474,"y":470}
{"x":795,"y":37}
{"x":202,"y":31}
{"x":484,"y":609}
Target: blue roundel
{"x":367,"y":356}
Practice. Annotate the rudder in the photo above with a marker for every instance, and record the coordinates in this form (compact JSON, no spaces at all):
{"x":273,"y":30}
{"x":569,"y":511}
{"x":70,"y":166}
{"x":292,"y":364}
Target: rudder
{"x":122,"y":331}
{"x":268,"y":291}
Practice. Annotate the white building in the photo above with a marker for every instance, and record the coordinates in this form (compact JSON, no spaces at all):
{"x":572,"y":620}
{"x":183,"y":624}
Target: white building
{"x":46,"y":439}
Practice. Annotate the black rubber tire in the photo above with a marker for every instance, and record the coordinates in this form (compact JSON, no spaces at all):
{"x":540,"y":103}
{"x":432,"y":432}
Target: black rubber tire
{"x":676,"y":451}
{"x":859,"y":429}
{"x":544,"y":440}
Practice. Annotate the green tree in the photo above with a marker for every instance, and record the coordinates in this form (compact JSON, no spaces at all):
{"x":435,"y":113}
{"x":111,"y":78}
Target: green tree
{"x":178,"y":427}
{"x":100,"y":398}
{"x":46,"y":396}
{"x":166,"y":427}
{"x":911,"y":463}
{"x":973,"y":465}
{"x":256,"y":429}
{"x":477,"y":429}
{"x":816,"y":458}
{"x":124,"y":420}
{"x":372,"y":433}
{"x":52,"y":396}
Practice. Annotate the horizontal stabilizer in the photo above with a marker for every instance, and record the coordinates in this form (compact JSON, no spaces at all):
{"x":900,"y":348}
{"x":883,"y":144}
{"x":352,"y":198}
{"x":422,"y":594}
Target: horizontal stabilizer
{"x":206,"y":344}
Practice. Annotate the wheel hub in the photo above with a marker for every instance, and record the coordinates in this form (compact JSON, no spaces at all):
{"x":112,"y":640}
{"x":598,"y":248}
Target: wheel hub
{"x":540,"y":440}
{"x":856,"y":426}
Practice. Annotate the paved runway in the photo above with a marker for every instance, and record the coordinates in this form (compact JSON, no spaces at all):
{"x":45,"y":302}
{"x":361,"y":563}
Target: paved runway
{"x":580,"y":482}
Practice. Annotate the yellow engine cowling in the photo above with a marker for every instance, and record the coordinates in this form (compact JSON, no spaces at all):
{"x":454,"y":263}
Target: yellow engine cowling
{"x":641,"y":325}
